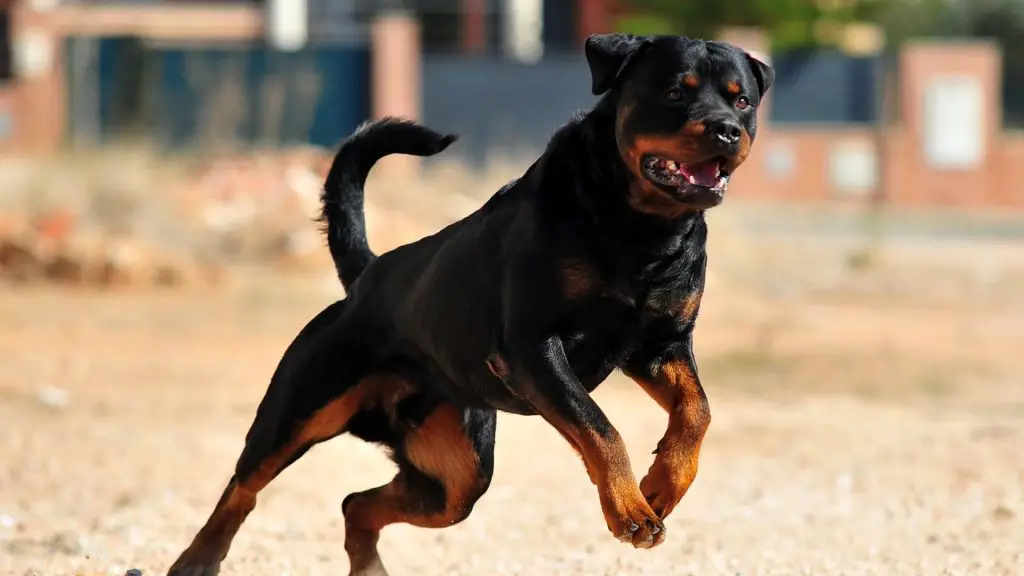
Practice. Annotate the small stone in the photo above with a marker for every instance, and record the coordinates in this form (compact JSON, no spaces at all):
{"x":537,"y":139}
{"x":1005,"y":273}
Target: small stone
{"x":53,"y":396}
{"x":1003,"y":512}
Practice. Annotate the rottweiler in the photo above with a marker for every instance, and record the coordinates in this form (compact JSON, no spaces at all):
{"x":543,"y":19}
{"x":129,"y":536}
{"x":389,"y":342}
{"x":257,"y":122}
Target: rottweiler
{"x":593,"y":260}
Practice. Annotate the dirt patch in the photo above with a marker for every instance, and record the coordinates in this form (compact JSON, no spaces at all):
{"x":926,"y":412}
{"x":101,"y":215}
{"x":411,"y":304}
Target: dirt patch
{"x":849,"y":440}
{"x":868,"y":415}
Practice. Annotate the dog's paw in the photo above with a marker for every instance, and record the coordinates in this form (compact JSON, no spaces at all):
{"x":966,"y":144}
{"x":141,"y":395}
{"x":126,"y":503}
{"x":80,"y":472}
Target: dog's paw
{"x":191,"y":563}
{"x":194,"y":570}
{"x":664,"y":486}
{"x":633,"y":521}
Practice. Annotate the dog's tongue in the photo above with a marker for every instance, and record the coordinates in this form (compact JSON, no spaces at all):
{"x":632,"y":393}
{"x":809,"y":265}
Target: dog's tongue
{"x":702,"y":174}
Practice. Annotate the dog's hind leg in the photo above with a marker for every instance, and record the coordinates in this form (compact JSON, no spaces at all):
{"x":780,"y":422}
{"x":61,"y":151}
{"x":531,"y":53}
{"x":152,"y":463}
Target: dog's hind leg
{"x":444,"y":466}
{"x":318,"y":386}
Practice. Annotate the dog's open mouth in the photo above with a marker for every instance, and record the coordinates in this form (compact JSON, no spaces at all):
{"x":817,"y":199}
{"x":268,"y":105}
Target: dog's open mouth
{"x":708,"y":174}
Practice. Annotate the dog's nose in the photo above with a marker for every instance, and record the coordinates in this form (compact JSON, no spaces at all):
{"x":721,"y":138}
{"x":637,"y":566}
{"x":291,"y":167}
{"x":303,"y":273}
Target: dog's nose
{"x":726,"y":132}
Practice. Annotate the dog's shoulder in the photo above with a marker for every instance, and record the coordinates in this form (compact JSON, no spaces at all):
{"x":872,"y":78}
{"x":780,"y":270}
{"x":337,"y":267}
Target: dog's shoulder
{"x":553,"y":200}
{"x":500,"y":196}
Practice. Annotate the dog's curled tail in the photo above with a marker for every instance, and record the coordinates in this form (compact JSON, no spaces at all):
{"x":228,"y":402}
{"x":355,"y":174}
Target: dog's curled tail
{"x":342,"y":213}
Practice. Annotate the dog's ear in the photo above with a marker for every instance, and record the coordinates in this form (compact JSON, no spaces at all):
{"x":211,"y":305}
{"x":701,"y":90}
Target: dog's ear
{"x":609,"y":55}
{"x":763,"y":73}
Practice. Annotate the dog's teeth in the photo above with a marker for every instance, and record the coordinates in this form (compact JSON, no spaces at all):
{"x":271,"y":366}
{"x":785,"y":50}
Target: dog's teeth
{"x":693,"y":180}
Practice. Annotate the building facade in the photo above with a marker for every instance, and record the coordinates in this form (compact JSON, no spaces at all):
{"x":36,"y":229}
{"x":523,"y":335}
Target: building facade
{"x":504,"y":73}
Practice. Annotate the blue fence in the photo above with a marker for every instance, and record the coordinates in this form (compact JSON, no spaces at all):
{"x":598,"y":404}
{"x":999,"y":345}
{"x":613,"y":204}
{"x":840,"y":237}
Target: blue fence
{"x":243,"y":93}
{"x":823,"y":87}
{"x":251,"y":95}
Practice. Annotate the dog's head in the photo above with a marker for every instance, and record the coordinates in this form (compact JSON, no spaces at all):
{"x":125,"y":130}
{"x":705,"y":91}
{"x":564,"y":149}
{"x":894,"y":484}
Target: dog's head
{"x":686,"y":114}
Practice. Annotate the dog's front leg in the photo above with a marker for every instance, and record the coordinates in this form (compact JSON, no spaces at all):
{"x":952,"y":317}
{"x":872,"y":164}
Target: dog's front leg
{"x":671,"y":380}
{"x":547,"y":382}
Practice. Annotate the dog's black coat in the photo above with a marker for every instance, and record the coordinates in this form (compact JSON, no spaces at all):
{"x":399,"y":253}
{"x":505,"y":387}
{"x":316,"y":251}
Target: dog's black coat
{"x":579,"y":267}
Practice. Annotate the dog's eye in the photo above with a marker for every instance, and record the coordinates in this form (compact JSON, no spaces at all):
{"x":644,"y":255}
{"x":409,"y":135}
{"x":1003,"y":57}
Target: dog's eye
{"x":742,"y":103}
{"x":674,"y":94}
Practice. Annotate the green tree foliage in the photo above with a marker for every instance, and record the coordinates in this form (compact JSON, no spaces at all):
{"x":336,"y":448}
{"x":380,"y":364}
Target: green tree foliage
{"x":789,"y":23}
{"x":805,"y":23}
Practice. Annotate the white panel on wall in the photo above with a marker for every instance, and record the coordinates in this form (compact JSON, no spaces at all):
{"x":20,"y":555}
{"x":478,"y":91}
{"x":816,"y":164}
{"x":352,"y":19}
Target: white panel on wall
{"x":780,"y":159}
{"x":286,"y":24}
{"x":954,"y":123}
{"x":33,"y":54}
{"x":524,"y":26}
{"x":853,"y":167}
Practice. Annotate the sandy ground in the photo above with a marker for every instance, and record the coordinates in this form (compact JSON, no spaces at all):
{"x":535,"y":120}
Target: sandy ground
{"x":859,"y":439}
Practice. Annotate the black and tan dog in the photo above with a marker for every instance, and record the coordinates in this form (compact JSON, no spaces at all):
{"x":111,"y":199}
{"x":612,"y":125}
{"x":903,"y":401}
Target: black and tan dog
{"x":593,"y":260}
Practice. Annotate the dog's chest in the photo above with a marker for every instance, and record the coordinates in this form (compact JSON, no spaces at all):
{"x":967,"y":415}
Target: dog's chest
{"x":610,"y":327}
{"x":662,"y":289}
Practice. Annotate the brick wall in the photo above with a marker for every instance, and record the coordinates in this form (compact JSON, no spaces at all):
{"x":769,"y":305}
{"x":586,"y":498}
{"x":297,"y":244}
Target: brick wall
{"x":854,"y":164}
{"x":833,"y":163}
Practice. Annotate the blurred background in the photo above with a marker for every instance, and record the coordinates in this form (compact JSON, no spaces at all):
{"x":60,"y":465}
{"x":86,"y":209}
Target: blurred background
{"x":860,"y":339}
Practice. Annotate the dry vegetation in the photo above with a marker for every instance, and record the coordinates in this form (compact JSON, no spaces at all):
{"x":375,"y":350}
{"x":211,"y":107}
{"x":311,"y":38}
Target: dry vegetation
{"x":868,"y":418}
